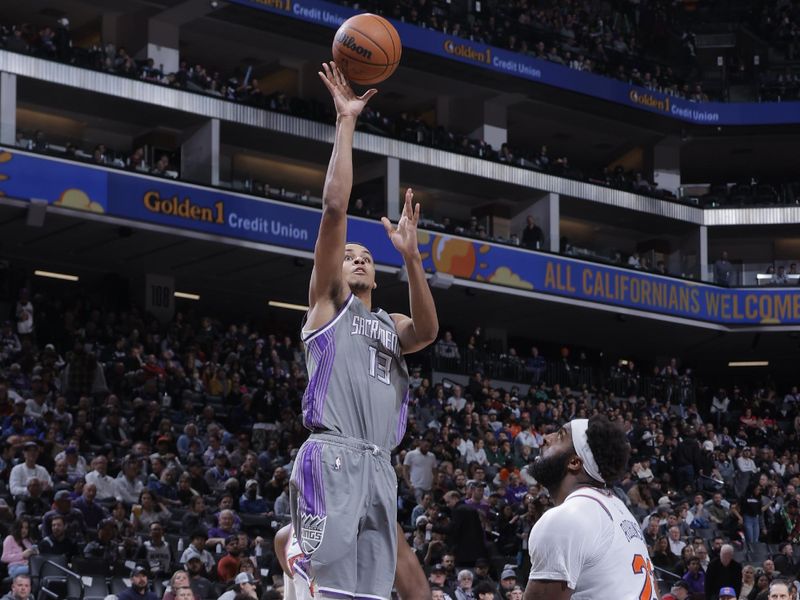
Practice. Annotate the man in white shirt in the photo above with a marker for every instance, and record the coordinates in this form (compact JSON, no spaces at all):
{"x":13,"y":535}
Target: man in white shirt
{"x":456,"y":400}
{"x":589,"y":545}
{"x":418,"y":469}
{"x":22,"y":473}
{"x":99,"y":476}
{"x":128,"y":485}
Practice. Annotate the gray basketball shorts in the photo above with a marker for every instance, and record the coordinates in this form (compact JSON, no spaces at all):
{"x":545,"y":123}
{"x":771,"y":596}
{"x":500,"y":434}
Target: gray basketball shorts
{"x":343,"y":497}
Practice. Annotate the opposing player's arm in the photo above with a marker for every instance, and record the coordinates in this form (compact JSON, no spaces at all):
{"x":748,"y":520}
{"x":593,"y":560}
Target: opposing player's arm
{"x":420,"y":329}
{"x":280,"y":544}
{"x":326,"y":287}
{"x":547,"y":590}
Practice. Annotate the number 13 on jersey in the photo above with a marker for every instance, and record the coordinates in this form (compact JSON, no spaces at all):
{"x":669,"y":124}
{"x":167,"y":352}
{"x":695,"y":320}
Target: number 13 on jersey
{"x":641,"y":564}
{"x":380,"y":365}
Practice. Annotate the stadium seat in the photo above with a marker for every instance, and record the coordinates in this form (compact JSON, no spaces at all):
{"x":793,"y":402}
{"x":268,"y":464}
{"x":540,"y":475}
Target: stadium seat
{"x":42,"y":571}
{"x":87,"y":588}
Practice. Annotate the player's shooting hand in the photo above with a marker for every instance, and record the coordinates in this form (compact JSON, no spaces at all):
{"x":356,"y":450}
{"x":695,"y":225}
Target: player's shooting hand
{"x":404,"y":236}
{"x":344,"y":98}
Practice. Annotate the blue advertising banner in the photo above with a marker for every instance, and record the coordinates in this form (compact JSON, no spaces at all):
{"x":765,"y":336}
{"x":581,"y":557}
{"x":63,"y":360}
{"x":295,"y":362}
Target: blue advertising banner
{"x":238,"y":216}
{"x":498,"y":60}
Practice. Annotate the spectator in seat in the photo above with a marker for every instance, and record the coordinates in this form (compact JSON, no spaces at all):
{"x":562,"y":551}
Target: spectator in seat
{"x":22,"y":473}
{"x":33,"y":504}
{"x":74,"y":519}
{"x":244,"y":587}
{"x":149,"y":510}
{"x":446,"y":348}
{"x":532,"y":235}
{"x":228,"y":565}
{"x":786,"y":526}
{"x":177,"y":584}
{"x":156,"y":552}
{"x":784,"y":561}
{"x":20,"y":589}
{"x":197,"y":548}
{"x":723,"y":572}
{"x":695,"y":577}
{"x":195,"y":517}
{"x":464,"y":589}
{"x":18,"y":548}
{"x":92,"y":512}
{"x":161,"y":167}
{"x":251,"y":501}
{"x":58,"y":542}
{"x":139,"y":587}
{"x":102,"y":481}
{"x":128,"y":485}
{"x":200,"y":585}
{"x":723,"y":270}
{"x":104,"y":547}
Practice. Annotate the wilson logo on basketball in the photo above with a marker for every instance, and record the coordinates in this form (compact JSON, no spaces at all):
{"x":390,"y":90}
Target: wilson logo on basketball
{"x":349,"y":42}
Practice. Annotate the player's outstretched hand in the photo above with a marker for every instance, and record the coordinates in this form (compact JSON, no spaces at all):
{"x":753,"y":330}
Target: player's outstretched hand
{"x":344,"y":98}
{"x":404,"y":236}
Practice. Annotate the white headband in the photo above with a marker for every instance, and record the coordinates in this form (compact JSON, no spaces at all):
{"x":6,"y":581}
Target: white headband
{"x":581,"y":443}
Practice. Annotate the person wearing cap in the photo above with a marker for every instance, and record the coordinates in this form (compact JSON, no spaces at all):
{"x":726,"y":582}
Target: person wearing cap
{"x":73,"y":518}
{"x":218,"y":474}
{"x":481,"y":572}
{"x":508,"y":579}
{"x":727,"y":593}
{"x":104,"y":547}
{"x":251,"y":502}
{"x":138,"y":589}
{"x":197,"y":548}
{"x":198,"y":581}
{"x":76,"y":464}
{"x":438,"y":579}
{"x":475,"y":496}
{"x":243,"y":584}
{"x":22,"y":473}
{"x":589,"y":543}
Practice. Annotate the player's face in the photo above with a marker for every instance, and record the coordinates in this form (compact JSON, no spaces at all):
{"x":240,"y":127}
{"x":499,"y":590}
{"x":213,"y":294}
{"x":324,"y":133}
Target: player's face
{"x":358,"y":270}
{"x":550,"y":467}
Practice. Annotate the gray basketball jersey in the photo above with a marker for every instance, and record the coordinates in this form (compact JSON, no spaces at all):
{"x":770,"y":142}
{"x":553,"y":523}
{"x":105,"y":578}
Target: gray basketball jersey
{"x":357,"y":377}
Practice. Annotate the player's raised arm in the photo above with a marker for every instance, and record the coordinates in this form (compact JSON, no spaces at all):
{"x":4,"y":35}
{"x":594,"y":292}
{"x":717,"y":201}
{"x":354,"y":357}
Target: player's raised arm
{"x":326,"y":287}
{"x":419,"y":330}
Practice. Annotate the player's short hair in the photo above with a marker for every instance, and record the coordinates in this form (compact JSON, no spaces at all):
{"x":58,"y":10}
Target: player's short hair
{"x":610,"y":447}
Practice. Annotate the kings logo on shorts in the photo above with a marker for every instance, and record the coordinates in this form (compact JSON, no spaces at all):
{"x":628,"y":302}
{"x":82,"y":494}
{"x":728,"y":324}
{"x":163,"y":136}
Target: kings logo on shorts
{"x":312,"y":528}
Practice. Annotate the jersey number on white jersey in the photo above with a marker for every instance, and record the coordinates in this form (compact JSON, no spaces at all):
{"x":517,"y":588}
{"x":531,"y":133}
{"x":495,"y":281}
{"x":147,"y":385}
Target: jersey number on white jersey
{"x":640,"y":565}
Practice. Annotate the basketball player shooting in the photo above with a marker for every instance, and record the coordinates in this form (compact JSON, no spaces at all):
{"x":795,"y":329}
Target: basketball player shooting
{"x":343,"y":488}
{"x":589,"y":546}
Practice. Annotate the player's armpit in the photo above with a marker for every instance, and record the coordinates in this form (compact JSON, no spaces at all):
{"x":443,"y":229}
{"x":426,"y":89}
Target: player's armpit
{"x":542,"y":589}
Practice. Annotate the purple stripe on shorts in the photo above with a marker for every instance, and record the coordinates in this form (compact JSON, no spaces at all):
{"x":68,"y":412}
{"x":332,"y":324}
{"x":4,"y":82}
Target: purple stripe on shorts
{"x":403,"y":419}
{"x":300,"y":569}
{"x":335,"y":593}
{"x":323,"y":352}
{"x":307,"y":476}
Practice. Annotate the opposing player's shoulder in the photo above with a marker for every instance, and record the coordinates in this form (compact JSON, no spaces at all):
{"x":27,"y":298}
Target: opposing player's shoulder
{"x":578,"y":510}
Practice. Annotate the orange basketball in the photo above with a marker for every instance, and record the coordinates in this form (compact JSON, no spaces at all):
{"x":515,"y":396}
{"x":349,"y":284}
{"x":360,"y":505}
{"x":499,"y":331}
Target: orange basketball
{"x":367,"y":49}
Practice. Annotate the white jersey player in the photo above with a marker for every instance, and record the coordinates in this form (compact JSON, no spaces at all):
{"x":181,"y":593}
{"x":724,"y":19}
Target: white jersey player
{"x":589,"y":546}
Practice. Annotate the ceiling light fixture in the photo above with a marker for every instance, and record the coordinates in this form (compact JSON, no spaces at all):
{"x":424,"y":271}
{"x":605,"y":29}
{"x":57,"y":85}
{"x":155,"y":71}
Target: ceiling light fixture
{"x":748,"y":363}
{"x":289,"y":305}
{"x":53,"y":275}
{"x":187,"y":296}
